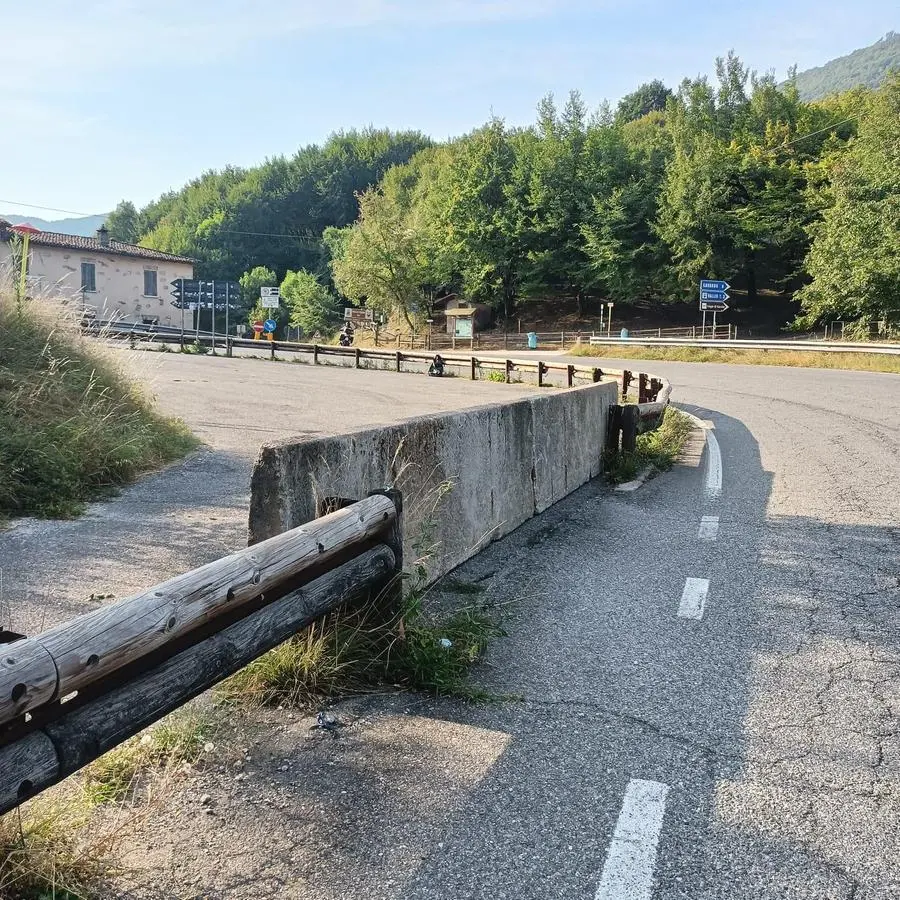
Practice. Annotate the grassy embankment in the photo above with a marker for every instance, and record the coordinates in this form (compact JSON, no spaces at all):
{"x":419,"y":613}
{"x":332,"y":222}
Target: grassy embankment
{"x":867,"y":362}
{"x":73,"y":427}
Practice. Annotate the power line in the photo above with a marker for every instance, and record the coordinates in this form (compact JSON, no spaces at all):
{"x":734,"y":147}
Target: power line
{"x":70,"y":212}
{"x":803,"y":137}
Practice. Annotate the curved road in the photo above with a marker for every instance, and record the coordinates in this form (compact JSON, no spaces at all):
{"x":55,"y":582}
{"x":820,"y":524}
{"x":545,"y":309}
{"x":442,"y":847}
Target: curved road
{"x":707,"y":684}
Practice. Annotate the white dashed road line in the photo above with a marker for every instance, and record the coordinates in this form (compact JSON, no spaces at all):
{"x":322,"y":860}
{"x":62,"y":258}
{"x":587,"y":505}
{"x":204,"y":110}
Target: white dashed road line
{"x":712,"y":480}
{"x":709,"y":528}
{"x":631,"y":860}
{"x":693,"y":598}
{"x":712,"y":487}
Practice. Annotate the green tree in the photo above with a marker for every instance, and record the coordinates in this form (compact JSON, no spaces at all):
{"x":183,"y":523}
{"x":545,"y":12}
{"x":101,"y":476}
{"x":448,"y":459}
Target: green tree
{"x":651,"y":96}
{"x":854,"y":260}
{"x":379,"y":260}
{"x":122,"y":223}
{"x":312,"y":306}
{"x":484,"y":193}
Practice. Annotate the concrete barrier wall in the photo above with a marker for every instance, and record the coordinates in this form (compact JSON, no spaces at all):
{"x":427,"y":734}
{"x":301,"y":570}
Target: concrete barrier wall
{"x":467,"y":477}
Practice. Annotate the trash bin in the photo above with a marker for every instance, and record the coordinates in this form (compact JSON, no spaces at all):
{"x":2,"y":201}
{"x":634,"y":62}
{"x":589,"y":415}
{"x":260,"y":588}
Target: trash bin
{"x":532,"y":340}
{"x":623,"y":333}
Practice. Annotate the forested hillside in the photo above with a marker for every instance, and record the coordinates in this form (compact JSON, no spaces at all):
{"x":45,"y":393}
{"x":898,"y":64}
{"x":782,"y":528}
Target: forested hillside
{"x":735,"y":178}
{"x":867,"y":66}
{"x":273,"y":214}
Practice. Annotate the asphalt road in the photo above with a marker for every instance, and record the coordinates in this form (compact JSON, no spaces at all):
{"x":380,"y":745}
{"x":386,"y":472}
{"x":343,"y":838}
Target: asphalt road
{"x":751,"y":751}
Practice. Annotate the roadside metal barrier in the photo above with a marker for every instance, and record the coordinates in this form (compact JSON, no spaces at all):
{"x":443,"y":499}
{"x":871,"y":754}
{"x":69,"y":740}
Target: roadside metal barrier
{"x":74,"y":692}
{"x":652,"y":394}
{"x":739,"y":344}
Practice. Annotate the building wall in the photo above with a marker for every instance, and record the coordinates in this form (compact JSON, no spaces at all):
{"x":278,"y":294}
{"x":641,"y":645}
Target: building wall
{"x":119,"y":282}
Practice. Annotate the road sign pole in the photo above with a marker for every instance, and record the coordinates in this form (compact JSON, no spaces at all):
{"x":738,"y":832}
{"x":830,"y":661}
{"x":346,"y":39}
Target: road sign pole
{"x":213,"y":328}
{"x":227,"y":305}
{"x":182,"y":315}
{"x":197,"y":312}
{"x":703,"y":329}
{"x":714,"y":324}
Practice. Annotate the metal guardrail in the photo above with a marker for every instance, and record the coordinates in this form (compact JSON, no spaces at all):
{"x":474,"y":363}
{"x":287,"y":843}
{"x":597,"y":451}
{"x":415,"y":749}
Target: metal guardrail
{"x":71,"y":693}
{"x":653,"y":393}
{"x":741,"y":344}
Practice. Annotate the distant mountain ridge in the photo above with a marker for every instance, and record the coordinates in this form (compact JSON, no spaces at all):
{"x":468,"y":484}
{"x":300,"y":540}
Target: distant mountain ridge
{"x":86,"y":226}
{"x":867,"y":66}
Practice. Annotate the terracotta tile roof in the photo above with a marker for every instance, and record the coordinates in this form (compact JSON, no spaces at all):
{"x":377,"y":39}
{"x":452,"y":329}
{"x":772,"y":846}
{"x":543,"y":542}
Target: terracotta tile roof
{"x":93,"y":245}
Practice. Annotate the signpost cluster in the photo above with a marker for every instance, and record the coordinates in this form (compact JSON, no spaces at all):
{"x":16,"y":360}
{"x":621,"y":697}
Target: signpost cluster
{"x":194,"y":294}
{"x":714,"y":298}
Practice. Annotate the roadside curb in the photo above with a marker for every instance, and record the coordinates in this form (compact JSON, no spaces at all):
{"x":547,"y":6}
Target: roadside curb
{"x":642,"y":477}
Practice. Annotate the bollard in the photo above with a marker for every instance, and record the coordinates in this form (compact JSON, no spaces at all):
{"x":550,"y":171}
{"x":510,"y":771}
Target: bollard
{"x":631,"y":420}
{"x":272,"y":354}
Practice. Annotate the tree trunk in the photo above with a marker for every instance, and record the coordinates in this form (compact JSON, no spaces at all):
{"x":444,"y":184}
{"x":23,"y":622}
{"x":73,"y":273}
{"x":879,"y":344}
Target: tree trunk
{"x":579,"y":304}
{"x":750,"y":272}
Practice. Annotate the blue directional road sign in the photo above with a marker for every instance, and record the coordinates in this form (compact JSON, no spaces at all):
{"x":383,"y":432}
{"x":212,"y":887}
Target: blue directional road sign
{"x":270,"y":325}
{"x":707,"y":285}
{"x":714,"y":296}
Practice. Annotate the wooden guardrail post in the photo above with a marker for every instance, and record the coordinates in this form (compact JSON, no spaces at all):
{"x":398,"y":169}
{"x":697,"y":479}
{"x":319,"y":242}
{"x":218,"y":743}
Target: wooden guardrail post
{"x":509,"y":368}
{"x":631,"y":420}
{"x":613,"y":428}
{"x":597,"y":375}
{"x":627,"y":378}
{"x":642,"y":388}
{"x":541,"y":370}
{"x":570,"y":375}
{"x":398,"y":359}
{"x":357,"y":357}
{"x":315,"y":354}
{"x":473,"y":367}
{"x":272,"y":354}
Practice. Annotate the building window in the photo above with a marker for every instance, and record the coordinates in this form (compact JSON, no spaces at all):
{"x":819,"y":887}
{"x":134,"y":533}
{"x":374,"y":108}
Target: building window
{"x":150,"y":283}
{"x":89,"y":277}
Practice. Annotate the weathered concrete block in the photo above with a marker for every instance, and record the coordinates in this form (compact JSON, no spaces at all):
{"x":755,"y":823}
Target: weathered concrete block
{"x":467,"y":477}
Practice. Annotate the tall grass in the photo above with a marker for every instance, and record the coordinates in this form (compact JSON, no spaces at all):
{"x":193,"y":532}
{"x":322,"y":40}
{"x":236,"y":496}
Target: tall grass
{"x":811,"y":359}
{"x":389,"y":642}
{"x":72,"y":424}
{"x":47,"y":854}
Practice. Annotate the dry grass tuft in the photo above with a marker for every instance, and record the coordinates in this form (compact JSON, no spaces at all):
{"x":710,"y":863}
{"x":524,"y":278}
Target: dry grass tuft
{"x":73,"y":427}
{"x":46,"y":853}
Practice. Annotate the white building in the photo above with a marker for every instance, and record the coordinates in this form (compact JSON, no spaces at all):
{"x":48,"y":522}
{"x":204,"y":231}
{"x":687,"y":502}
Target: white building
{"x":111,"y":279}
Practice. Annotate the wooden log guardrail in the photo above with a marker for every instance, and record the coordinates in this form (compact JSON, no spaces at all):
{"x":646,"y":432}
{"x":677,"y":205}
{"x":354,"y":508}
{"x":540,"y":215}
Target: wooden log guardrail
{"x":73,"y":692}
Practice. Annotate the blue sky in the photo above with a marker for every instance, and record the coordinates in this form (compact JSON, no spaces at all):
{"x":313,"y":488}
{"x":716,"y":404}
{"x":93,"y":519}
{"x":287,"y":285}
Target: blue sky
{"x":109,"y":99}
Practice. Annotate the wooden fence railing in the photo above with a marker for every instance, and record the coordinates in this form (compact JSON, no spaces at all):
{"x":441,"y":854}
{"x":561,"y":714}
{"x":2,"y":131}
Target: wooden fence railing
{"x":71,"y":693}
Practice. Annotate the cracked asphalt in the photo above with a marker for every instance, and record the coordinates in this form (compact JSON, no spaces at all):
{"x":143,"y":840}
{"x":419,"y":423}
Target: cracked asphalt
{"x":773,"y":721}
